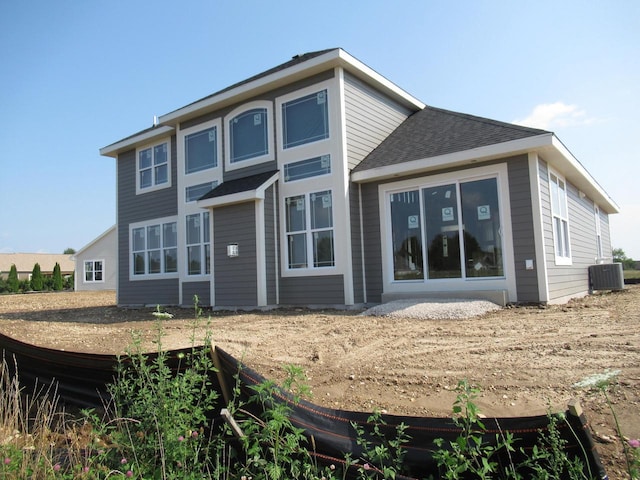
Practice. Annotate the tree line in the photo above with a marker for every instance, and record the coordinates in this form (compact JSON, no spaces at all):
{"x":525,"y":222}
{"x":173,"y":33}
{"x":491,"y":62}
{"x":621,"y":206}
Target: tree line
{"x":38,"y":281}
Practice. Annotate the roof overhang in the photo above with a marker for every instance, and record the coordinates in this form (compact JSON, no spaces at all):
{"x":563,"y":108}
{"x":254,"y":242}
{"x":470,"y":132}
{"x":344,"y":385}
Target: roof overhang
{"x":249,"y":195}
{"x":332,"y":59}
{"x":137,"y":140}
{"x":546,"y":146}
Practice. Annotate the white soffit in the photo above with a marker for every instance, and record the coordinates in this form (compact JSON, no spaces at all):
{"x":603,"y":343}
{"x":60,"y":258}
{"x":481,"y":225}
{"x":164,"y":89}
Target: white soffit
{"x":136,"y":140}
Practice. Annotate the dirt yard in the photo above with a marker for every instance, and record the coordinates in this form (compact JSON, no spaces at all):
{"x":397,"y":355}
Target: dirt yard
{"x":525,"y":359}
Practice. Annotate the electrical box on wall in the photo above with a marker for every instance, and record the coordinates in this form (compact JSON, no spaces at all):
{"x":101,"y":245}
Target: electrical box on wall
{"x":232,"y":250}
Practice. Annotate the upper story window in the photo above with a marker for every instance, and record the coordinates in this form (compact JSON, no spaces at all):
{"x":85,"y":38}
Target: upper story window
{"x":154,"y":248}
{"x":249,"y":135}
{"x":305,"y":120}
{"x":311,"y":167}
{"x":153,"y":167}
{"x":559,"y":212}
{"x":201,"y":150}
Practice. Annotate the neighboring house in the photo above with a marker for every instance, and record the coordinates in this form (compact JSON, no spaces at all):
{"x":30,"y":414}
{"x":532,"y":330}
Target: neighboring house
{"x":320,"y":182}
{"x":25,"y":262}
{"x":97,"y":263}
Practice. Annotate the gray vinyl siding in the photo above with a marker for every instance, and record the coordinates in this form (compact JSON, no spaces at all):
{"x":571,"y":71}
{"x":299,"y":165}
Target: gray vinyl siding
{"x":370,"y":118}
{"x":569,"y":280}
{"x":313,"y":290}
{"x":235,"y":279}
{"x":272,"y":244}
{"x":132,"y":208}
{"x":372,"y":242}
{"x":522,"y":227}
{"x":201,"y":289}
{"x":356,"y":243}
{"x":605,"y":232}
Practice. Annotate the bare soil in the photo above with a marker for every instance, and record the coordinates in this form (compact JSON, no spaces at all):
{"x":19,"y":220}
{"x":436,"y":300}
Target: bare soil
{"x":525,"y":359}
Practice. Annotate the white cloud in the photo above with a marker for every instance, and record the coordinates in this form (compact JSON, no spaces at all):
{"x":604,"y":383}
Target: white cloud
{"x":548,"y":116}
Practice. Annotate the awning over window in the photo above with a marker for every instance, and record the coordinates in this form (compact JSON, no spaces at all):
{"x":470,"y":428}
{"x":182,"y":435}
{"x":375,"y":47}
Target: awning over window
{"x":240,"y":190}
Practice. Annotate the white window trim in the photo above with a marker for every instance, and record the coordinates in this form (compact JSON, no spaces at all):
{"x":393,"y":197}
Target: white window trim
{"x":599,"y":246}
{"x":506,"y":282}
{"x":182,"y":159}
{"x":270,"y":155}
{"x":154,"y":187}
{"x":203,"y":265}
{"x":310,"y":270}
{"x":312,"y":149}
{"x":153,"y":276}
{"x":84,"y":272}
{"x":560,"y":259}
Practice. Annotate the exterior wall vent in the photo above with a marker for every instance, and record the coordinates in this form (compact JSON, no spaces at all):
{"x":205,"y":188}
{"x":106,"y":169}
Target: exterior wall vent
{"x":606,"y":276}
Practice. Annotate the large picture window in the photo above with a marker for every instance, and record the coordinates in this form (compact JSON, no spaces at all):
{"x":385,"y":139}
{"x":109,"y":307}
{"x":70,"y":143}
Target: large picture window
{"x":447,"y":231}
{"x":560,"y":215}
{"x":198,"y":244}
{"x":309,"y":229}
{"x":153,"y":166}
{"x":305,"y":120}
{"x":201,"y":150}
{"x":154,"y":249}
{"x":249,"y":135}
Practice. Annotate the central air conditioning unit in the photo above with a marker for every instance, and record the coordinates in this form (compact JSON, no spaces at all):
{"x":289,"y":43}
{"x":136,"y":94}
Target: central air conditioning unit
{"x":606,"y":276}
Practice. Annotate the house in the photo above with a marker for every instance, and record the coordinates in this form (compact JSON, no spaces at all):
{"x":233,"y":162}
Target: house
{"x":97,"y":263}
{"x":320,"y":182}
{"x":25,"y":262}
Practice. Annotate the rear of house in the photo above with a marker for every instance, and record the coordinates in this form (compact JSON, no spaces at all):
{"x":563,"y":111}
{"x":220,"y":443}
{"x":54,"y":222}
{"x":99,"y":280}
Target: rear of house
{"x":319,"y":182}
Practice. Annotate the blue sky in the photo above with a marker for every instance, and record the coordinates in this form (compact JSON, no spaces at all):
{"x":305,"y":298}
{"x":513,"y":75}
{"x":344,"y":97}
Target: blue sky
{"x":79,"y":75}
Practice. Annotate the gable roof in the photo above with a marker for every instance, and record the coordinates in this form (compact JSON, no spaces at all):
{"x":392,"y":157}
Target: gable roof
{"x":297,"y":68}
{"x":434,"y":138}
{"x":432,"y":132}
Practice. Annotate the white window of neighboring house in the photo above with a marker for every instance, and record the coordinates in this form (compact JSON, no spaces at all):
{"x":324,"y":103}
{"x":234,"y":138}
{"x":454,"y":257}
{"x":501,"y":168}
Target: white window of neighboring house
{"x":560,"y":215}
{"x":198,"y":244}
{"x":309,"y":230}
{"x":201,"y":150}
{"x":93,"y":271}
{"x":305,"y":120}
{"x":311,"y":167}
{"x":195,"y":192}
{"x":153,"y":167}
{"x":154,"y":249}
{"x":596,"y":213}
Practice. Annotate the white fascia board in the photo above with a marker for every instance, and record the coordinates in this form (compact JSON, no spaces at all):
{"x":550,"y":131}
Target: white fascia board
{"x":575,"y":172}
{"x":140,"y":139}
{"x":333,"y":58}
{"x":472,"y":156}
{"x":359,"y":69}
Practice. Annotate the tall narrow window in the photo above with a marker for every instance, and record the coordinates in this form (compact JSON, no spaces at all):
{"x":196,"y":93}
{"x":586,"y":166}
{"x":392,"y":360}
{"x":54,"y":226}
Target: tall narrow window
{"x":305,"y":120}
{"x":407,"y":236}
{"x":201,"y":150}
{"x":482,"y":230}
{"x":442,"y":231}
{"x":198,"y":244}
{"x":560,"y":215}
{"x":596,"y":213}
{"x":248,"y":133}
{"x":153,"y":166}
{"x":309,"y":228}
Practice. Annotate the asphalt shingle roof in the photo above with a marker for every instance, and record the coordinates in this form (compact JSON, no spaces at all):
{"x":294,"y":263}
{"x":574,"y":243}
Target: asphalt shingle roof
{"x":240,"y":185}
{"x":432,"y":131}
